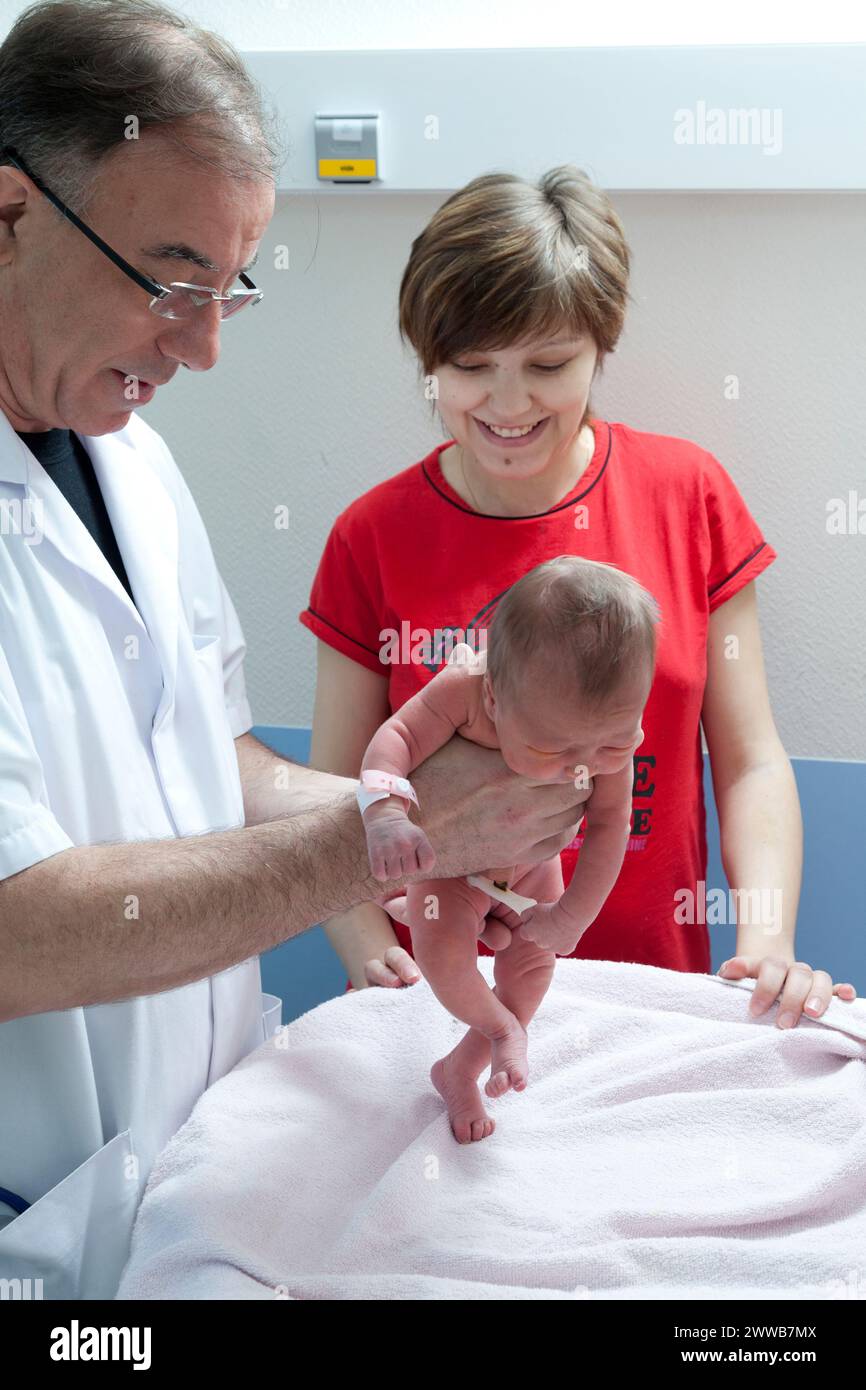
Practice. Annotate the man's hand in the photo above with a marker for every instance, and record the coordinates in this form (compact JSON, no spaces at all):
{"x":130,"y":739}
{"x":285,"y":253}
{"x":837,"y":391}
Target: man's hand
{"x":477,"y":812}
{"x":500,"y":922}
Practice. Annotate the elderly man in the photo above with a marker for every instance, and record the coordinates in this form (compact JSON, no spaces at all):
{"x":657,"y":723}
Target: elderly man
{"x":150,"y":846}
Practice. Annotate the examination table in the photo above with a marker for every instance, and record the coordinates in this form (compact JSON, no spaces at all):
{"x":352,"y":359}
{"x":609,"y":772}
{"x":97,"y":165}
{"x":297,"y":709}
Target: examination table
{"x":666,"y":1146}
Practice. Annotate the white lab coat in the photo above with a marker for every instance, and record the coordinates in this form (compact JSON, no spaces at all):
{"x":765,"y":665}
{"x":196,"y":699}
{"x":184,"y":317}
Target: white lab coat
{"x":116,"y":724}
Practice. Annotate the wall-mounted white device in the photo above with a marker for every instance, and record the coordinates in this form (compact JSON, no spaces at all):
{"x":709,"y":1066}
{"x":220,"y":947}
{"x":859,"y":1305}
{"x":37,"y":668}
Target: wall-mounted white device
{"x":347,"y":147}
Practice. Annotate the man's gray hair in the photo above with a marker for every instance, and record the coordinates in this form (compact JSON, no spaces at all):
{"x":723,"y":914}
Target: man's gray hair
{"x":73,"y":72}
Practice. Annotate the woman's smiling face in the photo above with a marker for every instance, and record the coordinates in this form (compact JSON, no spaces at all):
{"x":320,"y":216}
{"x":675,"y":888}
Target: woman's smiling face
{"x":544,"y":384}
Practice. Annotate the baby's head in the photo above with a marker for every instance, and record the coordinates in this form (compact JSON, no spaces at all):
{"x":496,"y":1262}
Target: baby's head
{"x":570,"y":662}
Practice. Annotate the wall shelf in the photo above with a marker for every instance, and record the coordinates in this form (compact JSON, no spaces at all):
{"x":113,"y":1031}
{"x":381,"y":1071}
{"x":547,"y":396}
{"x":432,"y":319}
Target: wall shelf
{"x":450,"y":114}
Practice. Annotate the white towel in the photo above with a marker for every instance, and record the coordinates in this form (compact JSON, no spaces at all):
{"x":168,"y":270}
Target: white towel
{"x":667,"y":1146}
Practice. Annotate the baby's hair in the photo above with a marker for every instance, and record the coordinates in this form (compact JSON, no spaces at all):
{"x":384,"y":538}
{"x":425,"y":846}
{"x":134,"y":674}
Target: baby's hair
{"x":576,"y":625}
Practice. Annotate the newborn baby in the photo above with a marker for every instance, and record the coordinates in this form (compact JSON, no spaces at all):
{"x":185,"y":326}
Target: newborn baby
{"x":560,"y":692}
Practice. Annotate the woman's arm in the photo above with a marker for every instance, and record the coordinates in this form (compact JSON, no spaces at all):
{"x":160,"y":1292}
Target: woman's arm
{"x":759,"y":811}
{"x":351,"y":703}
{"x":760,"y":824}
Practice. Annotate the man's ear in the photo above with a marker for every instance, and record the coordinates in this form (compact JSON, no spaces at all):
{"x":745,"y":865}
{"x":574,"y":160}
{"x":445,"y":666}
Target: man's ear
{"x":13,"y":199}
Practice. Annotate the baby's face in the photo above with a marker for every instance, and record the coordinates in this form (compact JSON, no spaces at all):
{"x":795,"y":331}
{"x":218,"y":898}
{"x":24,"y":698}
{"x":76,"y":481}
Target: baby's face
{"x":547,"y":741}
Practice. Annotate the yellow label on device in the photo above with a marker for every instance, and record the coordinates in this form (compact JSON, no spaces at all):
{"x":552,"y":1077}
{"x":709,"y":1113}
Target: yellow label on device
{"x":347,"y":168}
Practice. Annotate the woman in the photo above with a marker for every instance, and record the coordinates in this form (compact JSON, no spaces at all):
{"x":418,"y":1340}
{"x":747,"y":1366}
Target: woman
{"x":512,"y":296}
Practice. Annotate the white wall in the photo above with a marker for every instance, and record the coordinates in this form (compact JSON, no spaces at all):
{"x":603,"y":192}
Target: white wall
{"x":314,"y":401}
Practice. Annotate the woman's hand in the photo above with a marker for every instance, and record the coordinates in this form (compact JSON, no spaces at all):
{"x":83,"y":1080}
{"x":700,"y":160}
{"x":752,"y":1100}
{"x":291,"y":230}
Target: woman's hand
{"x":793,"y":983}
{"x":395,"y":969}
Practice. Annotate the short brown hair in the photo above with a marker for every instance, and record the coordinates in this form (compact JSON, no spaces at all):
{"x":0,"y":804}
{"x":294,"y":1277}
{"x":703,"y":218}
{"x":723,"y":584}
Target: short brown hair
{"x":72,"y":72}
{"x":504,"y":260}
{"x":579,"y":625}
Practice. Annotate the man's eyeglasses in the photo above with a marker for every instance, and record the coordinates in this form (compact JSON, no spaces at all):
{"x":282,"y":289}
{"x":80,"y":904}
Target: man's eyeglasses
{"x":175,"y":301}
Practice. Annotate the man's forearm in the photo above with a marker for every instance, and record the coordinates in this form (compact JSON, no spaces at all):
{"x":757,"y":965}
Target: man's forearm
{"x":107,"y":922}
{"x":276,"y":787}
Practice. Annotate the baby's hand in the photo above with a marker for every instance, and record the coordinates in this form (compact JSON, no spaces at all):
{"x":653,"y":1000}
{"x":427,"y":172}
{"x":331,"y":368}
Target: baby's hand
{"x":549,"y":927}
{"x":397,"y":848}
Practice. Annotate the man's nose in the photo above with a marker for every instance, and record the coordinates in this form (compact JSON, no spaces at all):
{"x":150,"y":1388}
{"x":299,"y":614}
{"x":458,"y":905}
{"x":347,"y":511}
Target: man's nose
{"x":195,"y":341}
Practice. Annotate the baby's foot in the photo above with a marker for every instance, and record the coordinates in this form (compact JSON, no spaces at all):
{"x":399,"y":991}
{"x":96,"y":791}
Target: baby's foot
{"x":459,"y":1090}
{"x":508,"y":1065}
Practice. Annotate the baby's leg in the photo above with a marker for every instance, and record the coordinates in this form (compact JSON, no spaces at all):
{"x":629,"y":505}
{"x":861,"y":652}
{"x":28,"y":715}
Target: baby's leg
{"x":522,"y":971}
{"x":458,"y":902}
{"x":445,"y":948}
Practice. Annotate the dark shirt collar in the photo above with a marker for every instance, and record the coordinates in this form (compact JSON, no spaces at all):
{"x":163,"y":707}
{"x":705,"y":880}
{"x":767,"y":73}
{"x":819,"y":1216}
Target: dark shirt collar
{"x":50,"y":446}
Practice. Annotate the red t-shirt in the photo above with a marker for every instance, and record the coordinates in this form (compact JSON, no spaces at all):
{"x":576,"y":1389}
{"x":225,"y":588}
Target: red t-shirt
{"x":412,"y":552}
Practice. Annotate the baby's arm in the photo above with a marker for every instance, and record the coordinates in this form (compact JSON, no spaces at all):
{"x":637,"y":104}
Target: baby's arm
{"x":428,"y":720}
{"x":608,"y":826}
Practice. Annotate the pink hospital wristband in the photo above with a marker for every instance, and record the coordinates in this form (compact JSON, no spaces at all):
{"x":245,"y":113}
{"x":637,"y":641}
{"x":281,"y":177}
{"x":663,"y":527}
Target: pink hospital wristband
{"x":375,"y":785}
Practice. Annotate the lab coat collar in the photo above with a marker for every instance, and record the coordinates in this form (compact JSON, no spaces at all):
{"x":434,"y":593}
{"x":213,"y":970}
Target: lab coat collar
{"x":144,"y":519}
{"x":15,"y":457}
